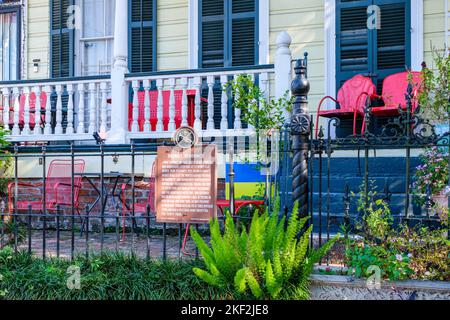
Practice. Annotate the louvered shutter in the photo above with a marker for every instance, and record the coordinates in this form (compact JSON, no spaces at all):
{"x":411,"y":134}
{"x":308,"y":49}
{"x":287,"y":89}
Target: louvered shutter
{"x":352,"y":40}
{"x":212,"y":30}
{"x":61,"y":37}
{"x":377,"y":53}
{"x":142,"y":35}
{"x":244,"y":33}
{"x":393,"y":39}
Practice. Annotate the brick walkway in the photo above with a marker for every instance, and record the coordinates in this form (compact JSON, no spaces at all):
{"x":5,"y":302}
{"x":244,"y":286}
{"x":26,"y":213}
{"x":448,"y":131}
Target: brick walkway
{"x":136,"y":244}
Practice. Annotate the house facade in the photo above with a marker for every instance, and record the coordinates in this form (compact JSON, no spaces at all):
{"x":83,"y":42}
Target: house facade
{"x":138,"y":69}
{"x":48,"y":39}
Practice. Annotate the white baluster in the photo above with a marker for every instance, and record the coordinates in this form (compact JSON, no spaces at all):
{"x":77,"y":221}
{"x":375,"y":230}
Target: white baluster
{"x":6,"y":95}
{"x":103,"y":114}
{"x":48,"y":110}
{"x":16,"y":129}
{"x":92,"y":106}
{"x":224,"y":103}
{"x":184,"y":106}
{"x":237,"y":113}
{"x":37,"y":111}
{"x":159,"y":111}
{"x":135,"y":113}
{"x":26,"y":111}
{"x":197,"y":122}
{"x":210,"y":122}
{"x":147,"y":126}
{"x":69,"y":129}
{"x":58,"y":127}
{"x":172,"y":126}
{"x":80,"y":127}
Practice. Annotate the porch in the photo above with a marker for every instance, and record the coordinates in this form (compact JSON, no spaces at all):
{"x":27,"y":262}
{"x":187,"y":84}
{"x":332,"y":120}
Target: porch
{"x":123,"y":106}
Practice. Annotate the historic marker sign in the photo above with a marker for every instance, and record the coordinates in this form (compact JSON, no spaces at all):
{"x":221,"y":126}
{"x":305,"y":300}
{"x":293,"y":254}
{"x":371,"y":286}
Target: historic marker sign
{"x":186,"y":184}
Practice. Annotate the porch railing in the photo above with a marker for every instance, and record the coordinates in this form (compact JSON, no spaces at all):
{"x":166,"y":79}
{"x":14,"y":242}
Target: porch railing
{"x":59,"y":109}
{"x":144,"y":105}
{"x":191,"y":97}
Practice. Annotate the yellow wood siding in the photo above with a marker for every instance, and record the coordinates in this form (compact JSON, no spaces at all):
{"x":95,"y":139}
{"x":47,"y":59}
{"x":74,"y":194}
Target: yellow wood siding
{"x":172,"y":29}
{"x":304,"y":21}
{"x":434,"y":27}
{"x":37,"y":38}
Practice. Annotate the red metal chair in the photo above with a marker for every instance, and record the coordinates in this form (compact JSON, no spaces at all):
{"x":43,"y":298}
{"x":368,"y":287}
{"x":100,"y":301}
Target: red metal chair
{"x":350,"y":100}
{"x":58,"y":187}
{"x":394,"y":94}
{"x":139,"y":207}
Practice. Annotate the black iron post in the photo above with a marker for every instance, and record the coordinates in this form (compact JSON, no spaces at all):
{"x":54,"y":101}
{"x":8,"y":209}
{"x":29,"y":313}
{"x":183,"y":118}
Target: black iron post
{"x":300,"y":130}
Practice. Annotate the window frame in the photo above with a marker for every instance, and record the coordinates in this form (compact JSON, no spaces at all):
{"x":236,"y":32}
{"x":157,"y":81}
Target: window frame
{"x":373,"y":71}
{"x":193,"y":35}
{"x":227,"y":25}
{"x":16,"y":8}
{"x":79,"y":54}
{"x":416,"y":45}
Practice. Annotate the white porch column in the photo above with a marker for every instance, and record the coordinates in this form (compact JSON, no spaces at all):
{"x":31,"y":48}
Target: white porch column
{"x":283,"y":67}
{"x":119,"y":88}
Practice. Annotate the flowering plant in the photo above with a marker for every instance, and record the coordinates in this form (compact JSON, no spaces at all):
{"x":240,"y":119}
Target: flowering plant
{"x":432,"y":174}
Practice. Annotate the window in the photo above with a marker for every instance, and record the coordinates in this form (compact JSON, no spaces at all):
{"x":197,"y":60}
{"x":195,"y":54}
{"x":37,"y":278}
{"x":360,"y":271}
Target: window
{"x":9,"y":52}
{"x":94,"y":42}
{"x":96,"y":39}
{"x":374,"y":52}
{"x":228,"y":33}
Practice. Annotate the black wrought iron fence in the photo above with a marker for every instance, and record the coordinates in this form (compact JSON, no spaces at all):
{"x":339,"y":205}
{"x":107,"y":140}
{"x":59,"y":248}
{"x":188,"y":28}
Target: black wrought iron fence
{"x":94,"y":213}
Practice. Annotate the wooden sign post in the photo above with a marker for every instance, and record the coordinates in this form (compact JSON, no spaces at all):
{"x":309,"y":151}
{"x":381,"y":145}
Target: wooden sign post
{"x":186,"y":184}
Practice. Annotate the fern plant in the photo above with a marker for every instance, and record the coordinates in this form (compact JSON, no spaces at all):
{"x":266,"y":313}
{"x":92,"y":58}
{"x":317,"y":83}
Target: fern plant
{"x":269,"y":261}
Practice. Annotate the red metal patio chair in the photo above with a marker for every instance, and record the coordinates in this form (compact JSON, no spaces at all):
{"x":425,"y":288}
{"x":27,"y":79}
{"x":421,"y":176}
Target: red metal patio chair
{"x":139,"y":207}
{"x":394,"y":94}
{"x":351,"y":99}
{"x":58,"y":187}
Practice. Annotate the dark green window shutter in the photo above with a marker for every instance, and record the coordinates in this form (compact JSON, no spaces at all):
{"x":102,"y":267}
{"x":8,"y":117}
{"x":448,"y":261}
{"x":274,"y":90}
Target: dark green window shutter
{"x":377,"y":53}
{"x":212,"y":30}
{"x":352,"y":40}
{"x":142,"y":35}
{"x":393,"y":50}
{"x":228,"y":33}
{"x":62,"y":39}
{"x":244,"y":33}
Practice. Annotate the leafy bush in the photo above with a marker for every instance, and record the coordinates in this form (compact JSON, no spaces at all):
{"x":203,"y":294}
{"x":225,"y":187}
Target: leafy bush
{"x":434,"y":98}
{"x":432,"y":173}
{"x":104,"y":277}
{"x":260,"y":112}
{"x":401,"y":252}
{"x":271,"y":260}
{"x":5,"y":161}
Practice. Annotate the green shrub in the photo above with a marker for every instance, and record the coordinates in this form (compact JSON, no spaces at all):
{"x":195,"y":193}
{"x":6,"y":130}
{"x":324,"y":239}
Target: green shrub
{"x":268,"y":261}
{"x":104,"y":277}
{"x":401,"y":252}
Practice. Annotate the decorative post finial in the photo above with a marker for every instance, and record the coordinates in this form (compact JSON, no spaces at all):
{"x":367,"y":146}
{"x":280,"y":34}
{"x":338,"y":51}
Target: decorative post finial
{"x":300,"y":130}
